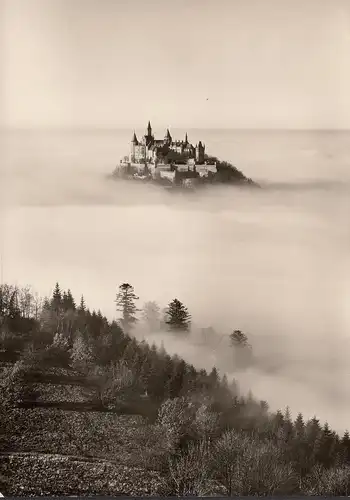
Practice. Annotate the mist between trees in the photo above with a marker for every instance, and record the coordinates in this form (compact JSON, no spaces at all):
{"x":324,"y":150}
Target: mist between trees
{"x":75,"y":384}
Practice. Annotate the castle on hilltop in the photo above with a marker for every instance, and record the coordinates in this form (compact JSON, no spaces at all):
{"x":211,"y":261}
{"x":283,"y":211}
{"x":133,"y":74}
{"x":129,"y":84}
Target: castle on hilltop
{"x":166,"y":160}
{"x":154,"y":150}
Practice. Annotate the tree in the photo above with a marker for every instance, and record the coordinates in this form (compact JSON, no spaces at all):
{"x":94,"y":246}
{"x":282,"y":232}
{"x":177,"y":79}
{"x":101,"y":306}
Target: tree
{"x":56,"y":301}
{"x":151,"y":315}
{"x":242,"y":349}
{"x":190,"y":470}
{"x":68,"y":302}
{"x":345,"y":443}
{"x":82,"y":305}
{"x":81,"y":354}
{"x":239,"y":339}
{"x":113,"y":384}
{"x":178,"y":317}
{"x":176,"y":416}
{"x":125,"y":303}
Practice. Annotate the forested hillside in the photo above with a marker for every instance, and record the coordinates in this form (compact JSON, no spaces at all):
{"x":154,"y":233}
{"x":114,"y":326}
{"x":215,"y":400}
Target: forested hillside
{"x":86,"y":408}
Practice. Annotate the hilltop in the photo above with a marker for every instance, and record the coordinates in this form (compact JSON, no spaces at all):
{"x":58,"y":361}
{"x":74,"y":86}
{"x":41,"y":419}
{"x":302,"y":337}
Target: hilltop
{"x":176,"y":163}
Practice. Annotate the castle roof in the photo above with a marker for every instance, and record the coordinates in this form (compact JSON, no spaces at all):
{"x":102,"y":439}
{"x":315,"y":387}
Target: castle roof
{"x":149,"y":128}
{"x":134,"y":139}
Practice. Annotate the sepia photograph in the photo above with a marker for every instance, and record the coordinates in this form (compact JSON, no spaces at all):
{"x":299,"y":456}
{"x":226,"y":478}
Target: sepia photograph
{"x":174,"y":248}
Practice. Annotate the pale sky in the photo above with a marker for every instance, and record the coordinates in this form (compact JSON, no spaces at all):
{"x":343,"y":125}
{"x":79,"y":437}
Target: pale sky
{"x":179,"y":63}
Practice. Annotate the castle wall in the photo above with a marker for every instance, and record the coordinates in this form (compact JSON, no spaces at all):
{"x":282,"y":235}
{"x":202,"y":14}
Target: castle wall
{"x":167,"y":175}
{"x":204,"y":169}
{"x":139,"y":152}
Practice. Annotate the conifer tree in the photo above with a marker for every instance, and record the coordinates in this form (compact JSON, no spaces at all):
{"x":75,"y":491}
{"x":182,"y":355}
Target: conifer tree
{"x":242,"y":349}
{"x":82,"y":305}
{"x":239,"y":339}
{"x":151,"y":315}
{"x":178,"y":317}
{"x":345,"y":443}
{"x":125,"y":303}
{"x":299,"y":426}
{"x":68,"y":301}
{"x":56,"y":301}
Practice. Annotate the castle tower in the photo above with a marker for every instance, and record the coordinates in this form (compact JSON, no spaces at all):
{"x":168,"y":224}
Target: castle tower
{"x":133,"y":144}
{"x":134,"y":139}
{"x":148,"y":139}
{"x":167,"y":137}
{"x":200,"y":153}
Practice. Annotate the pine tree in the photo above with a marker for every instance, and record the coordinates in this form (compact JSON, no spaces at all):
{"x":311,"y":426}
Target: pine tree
{"x":82,"y":305}
{"x":68,"y":303}
{"x":177,"y":379}
{"x":242,"y":351}
{"x":299,"y":426}
{"x":125,"y":303}
{"x":345,"y":444}
{"x":178,"y":317}
{"x":214,"y":378}
{"x":239,"y":339}
{"x":325,"y":446}
{"x":151,"y":316}
{"x":56,"y":301}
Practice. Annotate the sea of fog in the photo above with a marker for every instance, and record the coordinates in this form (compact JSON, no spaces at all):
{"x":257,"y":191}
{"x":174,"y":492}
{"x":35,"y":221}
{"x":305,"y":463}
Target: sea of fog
{"x":273,"y":262}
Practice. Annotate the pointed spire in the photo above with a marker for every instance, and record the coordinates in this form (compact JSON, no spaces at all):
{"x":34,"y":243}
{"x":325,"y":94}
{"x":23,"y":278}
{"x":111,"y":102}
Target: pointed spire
{"x":134,"y":139}
{"x":186,"y":138}
{"x":149,"y":129}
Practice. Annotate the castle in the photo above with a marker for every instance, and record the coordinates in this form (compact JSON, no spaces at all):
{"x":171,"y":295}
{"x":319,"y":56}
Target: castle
{"x":177,"y":162}
{"x":153,"y":150}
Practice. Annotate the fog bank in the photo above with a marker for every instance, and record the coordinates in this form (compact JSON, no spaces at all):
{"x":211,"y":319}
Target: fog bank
{"x":274,"y":262}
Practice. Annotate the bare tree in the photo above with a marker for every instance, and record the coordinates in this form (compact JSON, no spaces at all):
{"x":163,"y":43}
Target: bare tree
{"x":176,"y":416}
{"x":152,"y":446}
{"x":190,"y":470}
{"x":334,"y":481}
{"x":113,"y":383}
{"x":245,"y":466}
{"x":206,"y":422}
{"x":227,"y":458}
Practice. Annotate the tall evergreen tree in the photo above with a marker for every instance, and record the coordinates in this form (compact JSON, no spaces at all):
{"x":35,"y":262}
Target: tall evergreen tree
{"x":82,"y":305}
{"x":56,"y":301}
{"x":178,"y":317}
{"x":242,"y":351}
{"x":125,"y":303}
{"x":68,"y":303}
{"x":151,"y":315}
{"x":345,"y":443}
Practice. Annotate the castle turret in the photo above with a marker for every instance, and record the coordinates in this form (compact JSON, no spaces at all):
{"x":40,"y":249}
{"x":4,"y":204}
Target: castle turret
{"x":134,"y":139}
{"x":149,"y":139}
{"x":134,"y":143}
{"x":200,"y":153}
{"x":167,"y":137}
